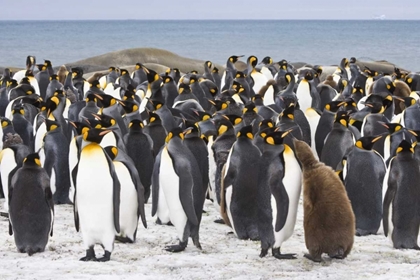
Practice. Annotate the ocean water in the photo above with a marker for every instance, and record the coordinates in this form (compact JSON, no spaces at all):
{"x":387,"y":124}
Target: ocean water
{"x":312,"y":41}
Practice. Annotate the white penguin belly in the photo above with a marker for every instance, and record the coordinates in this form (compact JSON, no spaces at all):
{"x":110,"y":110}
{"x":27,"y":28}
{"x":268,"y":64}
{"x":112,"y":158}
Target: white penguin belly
{"x":304,"y":95}
{"x":313,"y":119}
{"x":169,"y":182}
{"x":39,"y":136}
{"x":109,"y":140}
{"x":259,"y":81}
{"x":293,"y":183}
{"x":128,"y":202}
{"x":94,"y":197}
{"x":73,"y":154}
{"x":7,"y":164}
{"x":229,"y":191}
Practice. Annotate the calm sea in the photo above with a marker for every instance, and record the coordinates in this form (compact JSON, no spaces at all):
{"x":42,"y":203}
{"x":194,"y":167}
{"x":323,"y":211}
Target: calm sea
{"x":311,"y":41}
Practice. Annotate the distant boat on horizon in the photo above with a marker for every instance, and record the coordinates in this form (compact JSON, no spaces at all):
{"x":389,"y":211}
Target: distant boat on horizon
{"x":381,"y":17}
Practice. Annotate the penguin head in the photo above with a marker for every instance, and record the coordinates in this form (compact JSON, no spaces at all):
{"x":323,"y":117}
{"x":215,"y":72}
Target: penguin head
{"x":124,"y":72}
{"x":41,"y":67}
{"x":193,"y":79}
{"x":234,"y":119}
{"x":106,"y":100}
{"x":252,"y":61}
{"x":358,"y":89}
{"x":258,"y":100}
{"x":342,"y":117}
{"x":47,"y":63}
{"x":105,"y":120}
{"x":267,"y":60}
{"x":309,"y":75}
{"x":130,"y":106}
{"x":95,"y":84}
{"x":409,"y":101}
{"x":367,"y":142}
{"x":175,"y":133}
{"x":369,"y":72}
{"x":392,"y":127}
{"x":111,"y":69}
{"x":219,"y":104}
{"x":215,"y":70}
{"x":344,"y":62}
{"x":184,"y":88}
{"x":152,"y":76}
{"x":156,"y":104}
{"x":111,"y":151}
{"x":51,"y":104}
{"x":288,"y":113}
{"x":289,"y":77}
{"x":92,"y":122}
{"x":90,"y":97}
{"x":30,"y":61}
{"x":245,"y":133}
{"x":25,"y":81}
{"x":238,"y":87}
{"x":95,"y":135}
{"x":202,"y":116}
{"x":223,"y":124}
{"x":136,"y":125}
{"x":5,"y":122}
{"x":18,"y":109}
{"x":154,"y":118}
{"x":79,"y":127}
{"x":267,"y":123}
{"x":318,"y":70}
{"x":276,"y":137}
{"x":191,"y":129}
{"x":11,"y":84}
{"x":283,"y":64}
{"x":250,"y":108}
{"x":54,"y":77}
{"x":409,"y":79}
{"x":353,"y":60}
{"x":167,"y":79}
{"x":416,"y":134}
{"x":234,"y":58}
{"x":208,"y":64}
{"x":32,"y":160}
{"x":77,"y":72}
{"x":342,"y":84}
{"x":51,"y":125}
{"x":405,"y":146}
{"x":240,"y":74}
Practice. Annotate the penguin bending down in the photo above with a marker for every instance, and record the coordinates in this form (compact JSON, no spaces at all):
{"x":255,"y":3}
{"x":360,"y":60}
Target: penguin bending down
{"x":97,"y":196}
{"x":178,"y":176}
{"x":328,"y":219}
{"x":279,"y":187}
{"x":240,"y":186}
{"x":31,"y":207}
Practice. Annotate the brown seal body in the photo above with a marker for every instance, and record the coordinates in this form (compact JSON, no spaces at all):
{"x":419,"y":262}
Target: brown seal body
{"x":328,"y":221}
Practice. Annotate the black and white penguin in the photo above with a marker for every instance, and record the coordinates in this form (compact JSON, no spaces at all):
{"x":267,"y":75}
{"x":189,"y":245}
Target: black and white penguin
{"x":180,"y":180}
{"x":240,"y":186}
{"x":363,"y":174}
{"x":401,"y":199}
{"x":139,"y":147}
{"x":131,"y":196}
{"x":279,"y":188}
{"x":97,"y":196}
{"x":31,"y":207}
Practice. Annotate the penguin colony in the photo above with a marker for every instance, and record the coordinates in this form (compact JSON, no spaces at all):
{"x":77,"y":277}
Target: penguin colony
{"x":247,"y":140}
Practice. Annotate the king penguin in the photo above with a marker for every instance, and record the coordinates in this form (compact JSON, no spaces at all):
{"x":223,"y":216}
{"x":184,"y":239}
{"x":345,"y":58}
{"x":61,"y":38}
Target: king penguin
{"x":97,"y":196}
{"x":279,"y":188}
{"x":180,"y":180}
{"x":31,"y":207}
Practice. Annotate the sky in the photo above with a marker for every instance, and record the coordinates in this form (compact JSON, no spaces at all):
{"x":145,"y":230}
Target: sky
{"x":208,"y":9}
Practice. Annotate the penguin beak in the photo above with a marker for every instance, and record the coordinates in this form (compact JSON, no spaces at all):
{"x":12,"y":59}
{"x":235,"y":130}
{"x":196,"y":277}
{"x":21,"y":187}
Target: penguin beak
{"x":383,"y":124}
{"x":96,"y":116}
{"x":102,"y":133}
{"x":186,"y":131}
{"x":98,"y":96}
{"x":397,"y":98}
{"x":376,"y":139}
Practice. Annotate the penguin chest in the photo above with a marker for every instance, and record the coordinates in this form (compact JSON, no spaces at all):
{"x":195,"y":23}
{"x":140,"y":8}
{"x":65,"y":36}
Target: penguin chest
{"x":128,"y":200}
{"x":7,"y":164}
{"x":304,"y":95}
{"x":169,"y":182}
{"x":94,"y":191}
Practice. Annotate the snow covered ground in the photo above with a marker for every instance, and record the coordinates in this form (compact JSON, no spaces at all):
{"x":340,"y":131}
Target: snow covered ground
{"x":223,"y":256}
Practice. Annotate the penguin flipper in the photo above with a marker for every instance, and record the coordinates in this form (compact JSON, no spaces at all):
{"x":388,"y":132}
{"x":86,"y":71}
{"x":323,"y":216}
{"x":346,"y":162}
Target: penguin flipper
{"x":282,"y":201}
{"x":116,"y":193}
{"x":75,"y":212}
{"x":50,"y":203}
{"x":155,"y":183}
{"x":388,"y":199}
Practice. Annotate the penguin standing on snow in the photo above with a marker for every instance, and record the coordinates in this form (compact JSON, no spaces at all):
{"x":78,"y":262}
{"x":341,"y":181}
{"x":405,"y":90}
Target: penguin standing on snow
{"x":97,"y":196}
{"x":240,"y":186}
{"x":31,"y":207}
{"x":180,"y":179}
{"x":279,"y":188}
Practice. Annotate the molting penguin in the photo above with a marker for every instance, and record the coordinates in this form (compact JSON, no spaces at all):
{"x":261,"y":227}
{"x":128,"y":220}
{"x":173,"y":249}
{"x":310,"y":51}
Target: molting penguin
{"x":240,"y":186}
{"x":180,"y":180}
{"x":401,"y":199}
{"x":97,"y":196}
{"x":328,"y":219}
{"x":279,"y":188}
{"x":31,"y":207}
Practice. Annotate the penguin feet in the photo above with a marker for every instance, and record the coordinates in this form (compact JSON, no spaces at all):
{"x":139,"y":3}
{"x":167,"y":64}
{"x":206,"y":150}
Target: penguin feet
{"x":90,"y":256}
{"x":123,"y":239}
{"x":219,"y":221}
{"x":263,"y":253}
{"x":197,"y":244}
{"x":314,"y":259}
{"x":339,"y":254}
{"x":177,"y":248}
{"x":106,"y":257}
{"x":361,"y":232}
{"x":276,"y":253}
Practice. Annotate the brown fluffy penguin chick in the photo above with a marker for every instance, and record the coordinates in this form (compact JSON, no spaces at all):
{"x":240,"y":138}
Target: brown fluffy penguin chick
{"x":62,"y":73}
{"x":328,"y":219}
{"x":266,"y":86}
{"x":330,"y":81}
